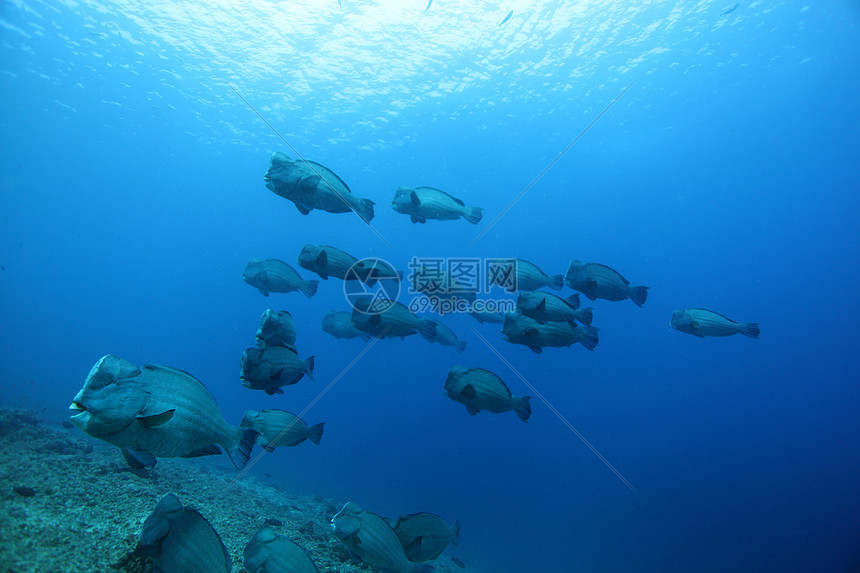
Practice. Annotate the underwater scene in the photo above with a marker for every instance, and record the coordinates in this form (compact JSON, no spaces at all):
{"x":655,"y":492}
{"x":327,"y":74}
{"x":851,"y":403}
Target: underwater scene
{"x":411,"y":286}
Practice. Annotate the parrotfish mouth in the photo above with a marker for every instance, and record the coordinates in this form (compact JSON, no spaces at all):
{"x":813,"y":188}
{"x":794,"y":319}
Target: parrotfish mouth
{"x":81,"y":413}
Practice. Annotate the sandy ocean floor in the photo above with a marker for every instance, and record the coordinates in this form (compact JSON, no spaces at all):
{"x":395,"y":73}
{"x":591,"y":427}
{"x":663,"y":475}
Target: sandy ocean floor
{"x":87,"y":506}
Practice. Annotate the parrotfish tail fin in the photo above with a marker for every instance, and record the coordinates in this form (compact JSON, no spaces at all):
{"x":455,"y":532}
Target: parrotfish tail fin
{"x":461,"y":345}
{"x":750,"y":329}
{"x":523,"y":409}
{"x":473,"y":215}
{"x":309,"y":371}
{"x":585,"y":315}
{"x":242,"y":452}
{"x":309,"y":288}
{"x":364,"y":208}
{"x":456,"y":540}
{"x":639,"y":294}
{"x":427,"y":329}
{"x":556,"y":282}
{"x":573,"y":300}
{"x":588,"y":336}
{"x":315,"y":433}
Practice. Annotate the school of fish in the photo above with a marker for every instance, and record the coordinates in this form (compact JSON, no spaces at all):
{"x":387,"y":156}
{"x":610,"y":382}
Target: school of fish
{"x":158,"y":411}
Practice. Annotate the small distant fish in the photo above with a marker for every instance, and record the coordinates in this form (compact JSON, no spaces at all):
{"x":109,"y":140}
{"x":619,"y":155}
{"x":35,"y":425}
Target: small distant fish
{"x":276,"y":329}
{"x":599,"y":281}
{"x":268,"y":552}
{"x":446,"y":336}
{"x":700,"y":322}
{"x":458,"y":562}
{"x":422,"y":203}
{"x":24,"y":491}
{"x":506,"y":18}
{"x":270,"y":368}
{"x":155,"y":411}
{"x":310,"y":186}
{"x":371,"y":539}
{"x":521,"y":329}
{"x":728,"y":11}
{"x":547,"y":307}
{"x":273,"y":275}
{"x":326,"y":261}
{"x":480,"y":389}
{"x":529,"y":277}
{"x":425,"y":536}
{"x":489,"y":317}
{"x":339,"y":324}
{"x":430,"y":3}
{"x":178,"y":538}
{"x":397,"y":321}
{"x":278,"y":428}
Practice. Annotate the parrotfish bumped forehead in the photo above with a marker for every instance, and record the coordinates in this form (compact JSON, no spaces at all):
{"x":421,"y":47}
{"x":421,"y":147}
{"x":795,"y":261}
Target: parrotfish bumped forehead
{"x":110,"y":399}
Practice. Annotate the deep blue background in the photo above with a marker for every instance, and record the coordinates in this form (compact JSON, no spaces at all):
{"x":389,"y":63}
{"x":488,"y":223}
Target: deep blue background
{"x":729,"y":181}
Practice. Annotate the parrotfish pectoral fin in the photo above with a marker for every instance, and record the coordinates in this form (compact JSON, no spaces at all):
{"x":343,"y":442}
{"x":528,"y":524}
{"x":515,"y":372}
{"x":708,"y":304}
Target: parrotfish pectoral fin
{"x":414,"y":545}
{"x":310,"y":182}
{"x":414,"y":198}
{"x":469,"y":392}
{"x":156,"y":419}
{"x":276,"y":374}
{"x":322,"y":258}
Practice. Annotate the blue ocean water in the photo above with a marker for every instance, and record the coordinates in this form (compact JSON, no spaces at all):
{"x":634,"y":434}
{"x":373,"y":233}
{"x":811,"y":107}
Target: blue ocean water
{"x":726,"y":177}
